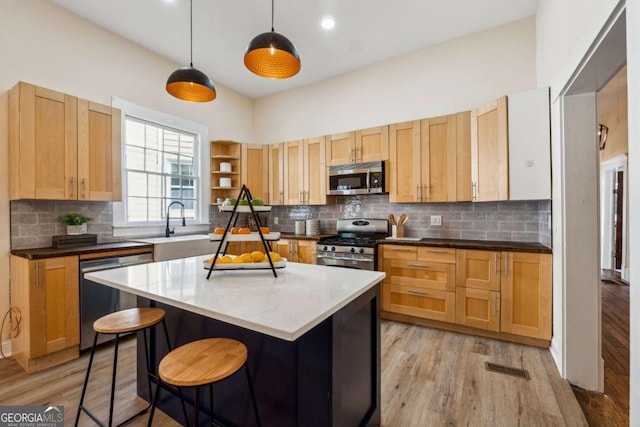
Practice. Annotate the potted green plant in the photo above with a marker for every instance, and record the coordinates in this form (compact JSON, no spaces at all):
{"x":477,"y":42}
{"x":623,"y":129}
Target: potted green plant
{"x":76,"y":223}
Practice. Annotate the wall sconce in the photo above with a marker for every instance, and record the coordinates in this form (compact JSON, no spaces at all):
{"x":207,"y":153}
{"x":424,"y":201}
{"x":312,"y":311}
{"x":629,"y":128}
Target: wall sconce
{"x":603,"y":131}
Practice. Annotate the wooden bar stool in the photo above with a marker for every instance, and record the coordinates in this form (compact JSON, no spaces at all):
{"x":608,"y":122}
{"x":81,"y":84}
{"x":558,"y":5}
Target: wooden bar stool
{"x":200,"y":363}
{"x":119,"y":323}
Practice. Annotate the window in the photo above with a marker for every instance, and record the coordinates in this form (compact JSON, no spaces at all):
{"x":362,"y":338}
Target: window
{"x":162,"y":163}
{"x":159,"y":169}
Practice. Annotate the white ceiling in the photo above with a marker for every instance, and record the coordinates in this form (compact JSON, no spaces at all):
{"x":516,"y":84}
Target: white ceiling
{"x":366,"y":31}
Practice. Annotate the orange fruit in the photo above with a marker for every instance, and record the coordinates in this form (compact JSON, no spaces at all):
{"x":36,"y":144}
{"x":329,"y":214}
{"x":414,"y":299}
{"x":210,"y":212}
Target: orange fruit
{"x":238,"y":260}
{"x":218,"y":230}
{"x":244,"y":231}
{"x":225,"y":260}
{"x":235,"y":230}
{"x":257,"y":256}
{"x":246,"y":257}
{"x":265,"y":230}
{"x":275,"y":256}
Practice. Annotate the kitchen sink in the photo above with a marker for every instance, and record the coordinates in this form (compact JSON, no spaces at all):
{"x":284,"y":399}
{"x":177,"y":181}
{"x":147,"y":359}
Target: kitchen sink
{"x":165,"y":248}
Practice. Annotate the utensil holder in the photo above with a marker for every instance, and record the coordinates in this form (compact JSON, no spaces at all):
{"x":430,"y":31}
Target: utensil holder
{"x":397,"y":230}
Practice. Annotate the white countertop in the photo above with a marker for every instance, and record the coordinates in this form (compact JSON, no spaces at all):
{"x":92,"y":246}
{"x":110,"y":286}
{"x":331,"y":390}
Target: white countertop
{"x":286,"y":307}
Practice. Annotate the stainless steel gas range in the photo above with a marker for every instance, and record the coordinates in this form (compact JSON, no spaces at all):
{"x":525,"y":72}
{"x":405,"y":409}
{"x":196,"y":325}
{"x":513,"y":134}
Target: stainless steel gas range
{"x":355,"y":246}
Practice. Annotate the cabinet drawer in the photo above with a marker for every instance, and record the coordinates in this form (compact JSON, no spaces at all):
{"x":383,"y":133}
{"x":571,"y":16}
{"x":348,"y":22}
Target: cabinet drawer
{"x":424,"y":275}
{"x":399,"y":252}
{"x":419,"y":302}
{"x":437,"y":255}
{"x":478,"y":308}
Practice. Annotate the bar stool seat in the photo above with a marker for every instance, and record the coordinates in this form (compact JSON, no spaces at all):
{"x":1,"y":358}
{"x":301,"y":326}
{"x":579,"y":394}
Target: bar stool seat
{"x":204,"y":362}
{"x":118,"y":323}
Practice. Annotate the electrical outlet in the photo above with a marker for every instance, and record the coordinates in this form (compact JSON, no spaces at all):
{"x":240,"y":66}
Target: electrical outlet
{"x":435,"y":219}
{"x":275,"y":220}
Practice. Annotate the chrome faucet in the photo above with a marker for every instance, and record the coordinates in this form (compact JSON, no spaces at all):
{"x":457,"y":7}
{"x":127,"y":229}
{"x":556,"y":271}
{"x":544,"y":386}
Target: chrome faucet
{"x":167,"y":232}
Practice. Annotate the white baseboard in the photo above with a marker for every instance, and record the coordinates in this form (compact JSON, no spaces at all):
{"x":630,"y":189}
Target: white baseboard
{"x":6,"y":348}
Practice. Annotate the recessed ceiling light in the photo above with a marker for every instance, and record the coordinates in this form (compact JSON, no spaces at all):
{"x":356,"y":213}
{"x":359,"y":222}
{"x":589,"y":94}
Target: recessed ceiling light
{"x":328,"y":22}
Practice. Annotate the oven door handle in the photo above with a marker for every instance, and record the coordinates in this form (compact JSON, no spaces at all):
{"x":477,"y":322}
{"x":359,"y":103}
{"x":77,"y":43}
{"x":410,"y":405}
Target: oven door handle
{"x":345,"y":258}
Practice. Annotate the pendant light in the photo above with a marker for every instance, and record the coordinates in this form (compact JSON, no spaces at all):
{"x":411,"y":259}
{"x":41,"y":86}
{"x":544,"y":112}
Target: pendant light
{"x":188,"y":83}
{"x":272,"y":55}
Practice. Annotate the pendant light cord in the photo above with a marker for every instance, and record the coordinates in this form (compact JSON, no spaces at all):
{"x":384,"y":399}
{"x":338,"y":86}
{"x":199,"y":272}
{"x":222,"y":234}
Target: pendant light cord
{"x":272,"y":15}
{"x":191,"y":30}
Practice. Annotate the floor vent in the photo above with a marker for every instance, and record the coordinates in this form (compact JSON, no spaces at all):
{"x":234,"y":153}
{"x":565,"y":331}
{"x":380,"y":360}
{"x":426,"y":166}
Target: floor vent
{"x":508,"y":370}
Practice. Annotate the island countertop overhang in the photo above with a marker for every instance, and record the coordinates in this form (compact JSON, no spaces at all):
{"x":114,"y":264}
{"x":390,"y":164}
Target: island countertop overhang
{"x":285,"y":307}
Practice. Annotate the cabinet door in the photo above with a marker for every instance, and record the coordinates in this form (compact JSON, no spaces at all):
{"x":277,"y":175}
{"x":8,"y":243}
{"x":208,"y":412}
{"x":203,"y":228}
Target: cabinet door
{"x":255,"y":170}
{"x":404,"y":162}
{"x":294,"y":172}
{"x":489,"y":151}
{"x":463,"y":157}
{"x":372,"y":144}
{"x":526,"y":294}
{"x":43,"y":133}
{"x":341,"y":149}
{"x":315,"y":172}
{"x":276,"y":174}
{"x":478,"y":269}
{"x":46,"y":292}
{"x":420,"y":274}
{"x":306,"y":251}
{"x":478,"y":308}
{"x":438,"y":159}
{"x":284,"y":248}
{"x":419,"y":302}
{"x":99,"y":152}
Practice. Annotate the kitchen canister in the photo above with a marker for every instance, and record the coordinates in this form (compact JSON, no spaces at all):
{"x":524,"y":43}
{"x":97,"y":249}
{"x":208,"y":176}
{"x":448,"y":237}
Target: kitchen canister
{"x":299,"y":227}
{"x":225,"y":182}
{"x":225,"y":167}
{"x":313,"y":227}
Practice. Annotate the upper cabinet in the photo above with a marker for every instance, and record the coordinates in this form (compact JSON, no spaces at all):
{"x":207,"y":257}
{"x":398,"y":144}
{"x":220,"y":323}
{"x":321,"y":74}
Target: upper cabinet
{"x":225,"y":169}
{"x":366,"y":145}
{"x":255,"y":170}
{"x":62,"y":148}
{"x":314,"y":172}
{"x":529,"y":145}
{"x":490,"y":152}
{"x":429,"y":160}
{"x":293,"y":172}
{"x":276,"y":174}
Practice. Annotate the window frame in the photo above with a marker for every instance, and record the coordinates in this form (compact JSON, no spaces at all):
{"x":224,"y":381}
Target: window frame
{"x":123,"y":227}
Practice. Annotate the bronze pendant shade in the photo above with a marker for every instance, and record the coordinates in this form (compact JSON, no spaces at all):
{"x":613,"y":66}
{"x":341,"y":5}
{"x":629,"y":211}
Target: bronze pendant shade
{"x":191,"y":84}
{"x":272,"y":55}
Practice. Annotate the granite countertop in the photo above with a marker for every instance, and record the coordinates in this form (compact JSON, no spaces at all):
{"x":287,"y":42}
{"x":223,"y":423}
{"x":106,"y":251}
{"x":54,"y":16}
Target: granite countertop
{"x":40,"y":253}
{"x":494,"y":245}
{"x":285,"y":307}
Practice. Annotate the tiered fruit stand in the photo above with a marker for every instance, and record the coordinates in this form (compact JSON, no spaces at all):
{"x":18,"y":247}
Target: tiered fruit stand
{"x":236,"y":209}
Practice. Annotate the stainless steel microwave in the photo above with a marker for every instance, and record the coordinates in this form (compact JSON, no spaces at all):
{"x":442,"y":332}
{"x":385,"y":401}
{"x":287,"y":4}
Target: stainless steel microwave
{"x":359,"y":178}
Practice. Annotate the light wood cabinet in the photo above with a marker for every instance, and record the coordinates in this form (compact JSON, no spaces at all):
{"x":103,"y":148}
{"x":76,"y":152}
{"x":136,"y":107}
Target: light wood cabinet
{"x":46,"y":292}
{"x":436,"y":180}
{"x":478,"y":269}
{"x":296,"y":250}
{"x":419,"y":283}
{"x":62,"y":147}
{"x":478,"y":308}
{"x":490,"y":152}
{"x":293,"y":172}
{"x":238,"y":248}
{"x":255,"y":170}
{"x":276,"y":174}
{"x":526,"y":294}
{"x":225,"y":152}
{"x":315,"y":172}
{"x":404,"y":138}
{"x":362,"y":146}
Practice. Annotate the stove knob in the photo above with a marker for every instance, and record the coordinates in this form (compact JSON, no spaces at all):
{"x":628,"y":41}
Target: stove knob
{"x":361,"y":250}
{"x":324,"y":249}
{"x":353,"y":250}
{"x":333,"y":248}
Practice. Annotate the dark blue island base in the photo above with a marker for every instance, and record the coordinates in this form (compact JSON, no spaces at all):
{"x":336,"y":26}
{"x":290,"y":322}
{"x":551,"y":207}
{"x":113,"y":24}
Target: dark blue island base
{"x":330,"y":376}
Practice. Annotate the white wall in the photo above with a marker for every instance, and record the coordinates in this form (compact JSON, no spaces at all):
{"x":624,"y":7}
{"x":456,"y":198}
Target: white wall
{"x":565,"y":31}
{"x":43,"y":44}
{"x":454,"y":76}
{"x":633,"y":76}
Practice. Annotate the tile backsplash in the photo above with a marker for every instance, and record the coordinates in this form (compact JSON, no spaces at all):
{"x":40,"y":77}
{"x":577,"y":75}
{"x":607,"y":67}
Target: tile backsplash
{"x":519,"y":221}
{"x":35,"y":222}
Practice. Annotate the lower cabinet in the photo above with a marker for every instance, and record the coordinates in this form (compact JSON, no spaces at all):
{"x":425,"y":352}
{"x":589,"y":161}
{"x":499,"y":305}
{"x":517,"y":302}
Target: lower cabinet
{"x":508,"y":293}
{"x":294,"y":250}
{"x":238,"y":248}
{"x":46,"y":292}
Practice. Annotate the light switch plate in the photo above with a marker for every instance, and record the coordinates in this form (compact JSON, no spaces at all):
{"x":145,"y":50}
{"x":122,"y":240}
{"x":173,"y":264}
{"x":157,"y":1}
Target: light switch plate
{"x":275,"y":220}
{"x":435,"y":219}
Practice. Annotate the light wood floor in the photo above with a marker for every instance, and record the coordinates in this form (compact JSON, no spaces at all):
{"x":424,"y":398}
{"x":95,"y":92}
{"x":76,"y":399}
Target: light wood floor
{"x":429,"y":378}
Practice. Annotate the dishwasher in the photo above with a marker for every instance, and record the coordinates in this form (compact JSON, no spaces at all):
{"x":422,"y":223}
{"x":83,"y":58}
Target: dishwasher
{"x":97,"y":300}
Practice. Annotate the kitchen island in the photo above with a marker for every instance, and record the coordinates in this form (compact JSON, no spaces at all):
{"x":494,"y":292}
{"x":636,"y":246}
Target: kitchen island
{"x":313,"y":335}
